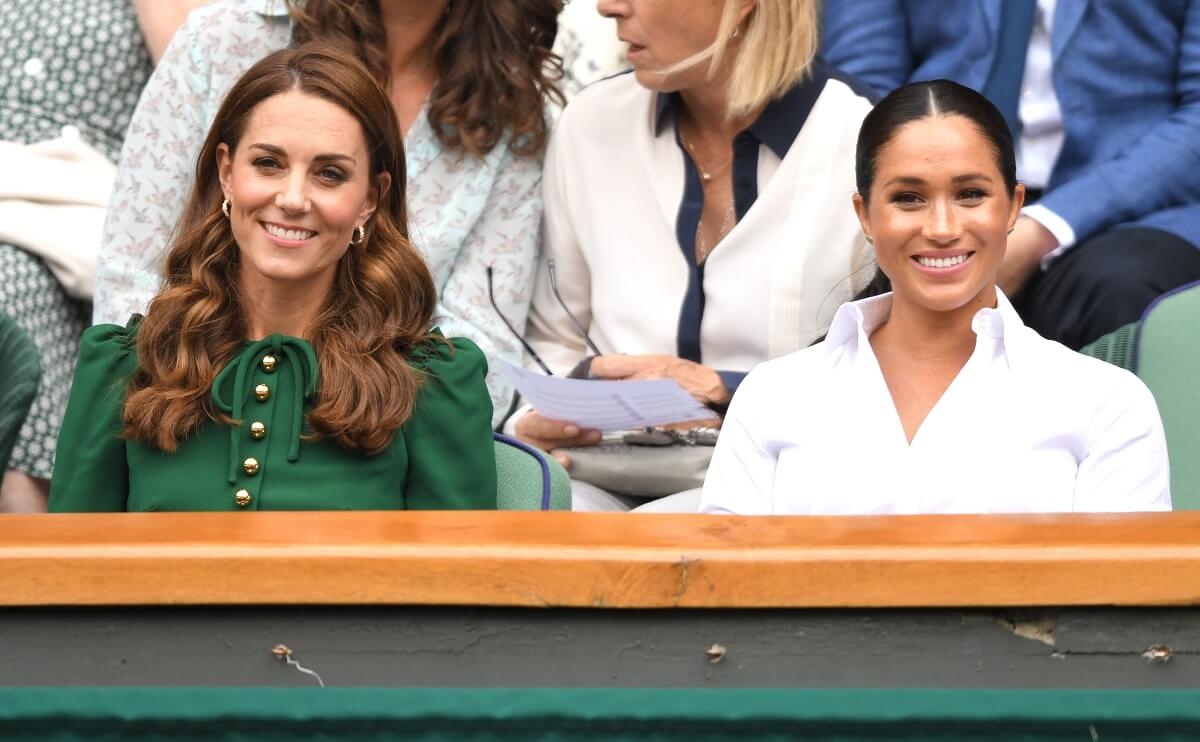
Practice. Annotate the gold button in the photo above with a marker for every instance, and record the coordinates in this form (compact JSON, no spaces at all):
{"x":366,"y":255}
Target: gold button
{"x":257,"y":430}
{"x":250,"y":466}
{"x":242,"y":498}
{"x":262,"y":392}
{"x":268,"y":363}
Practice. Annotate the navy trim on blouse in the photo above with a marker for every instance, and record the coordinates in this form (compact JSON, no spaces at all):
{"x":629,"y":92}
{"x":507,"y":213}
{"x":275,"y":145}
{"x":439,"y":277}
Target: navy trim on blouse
{"x":777,"y":128}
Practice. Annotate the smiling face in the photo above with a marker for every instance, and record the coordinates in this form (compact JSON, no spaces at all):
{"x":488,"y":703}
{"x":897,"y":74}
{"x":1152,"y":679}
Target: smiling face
{"x":939,"y":213}
{"x":662,"y":33}
{"x":299,"y":182}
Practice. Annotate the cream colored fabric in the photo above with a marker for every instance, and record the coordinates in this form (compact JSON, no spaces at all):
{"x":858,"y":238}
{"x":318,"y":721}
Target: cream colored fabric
{"x":52,"y":200}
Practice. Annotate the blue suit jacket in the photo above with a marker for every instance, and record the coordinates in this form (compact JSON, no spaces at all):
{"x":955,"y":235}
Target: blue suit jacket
{"x":1126,"y":74}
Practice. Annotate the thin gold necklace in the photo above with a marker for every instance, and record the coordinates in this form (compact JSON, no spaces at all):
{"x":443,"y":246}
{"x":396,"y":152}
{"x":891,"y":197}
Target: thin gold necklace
{"x":703,"y":247}
{"x":705,"y":175}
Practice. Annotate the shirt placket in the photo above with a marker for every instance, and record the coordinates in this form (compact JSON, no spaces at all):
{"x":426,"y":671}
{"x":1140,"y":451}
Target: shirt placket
{"x":256,"y":434}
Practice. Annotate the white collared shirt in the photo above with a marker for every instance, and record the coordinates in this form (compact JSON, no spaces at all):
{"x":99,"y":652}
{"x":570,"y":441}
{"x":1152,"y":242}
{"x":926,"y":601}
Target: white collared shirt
{"x":1027,"y":426}
{"x":1038,"y":108}
{"x":614,"y":183}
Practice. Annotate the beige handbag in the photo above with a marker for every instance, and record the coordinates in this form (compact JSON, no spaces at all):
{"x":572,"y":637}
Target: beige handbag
{"x":646,"y":464}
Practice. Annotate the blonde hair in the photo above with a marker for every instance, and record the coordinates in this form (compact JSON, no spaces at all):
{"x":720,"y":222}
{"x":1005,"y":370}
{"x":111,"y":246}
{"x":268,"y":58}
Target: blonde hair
{"x":778,"y":44}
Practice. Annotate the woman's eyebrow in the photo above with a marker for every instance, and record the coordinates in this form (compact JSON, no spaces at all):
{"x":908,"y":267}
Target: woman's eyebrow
{"x":905,"y":180}
{"x":913,"y":180}
{"x":325,"y":157}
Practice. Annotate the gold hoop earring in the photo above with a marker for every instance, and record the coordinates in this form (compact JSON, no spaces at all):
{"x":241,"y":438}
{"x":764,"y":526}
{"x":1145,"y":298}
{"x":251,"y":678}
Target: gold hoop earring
{"x":869,"y":240}
{"x":225,"y":208}
{"x":359,"y":232}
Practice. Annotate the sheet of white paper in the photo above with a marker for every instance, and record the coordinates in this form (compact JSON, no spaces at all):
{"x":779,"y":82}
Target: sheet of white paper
{"x":606,"y":405}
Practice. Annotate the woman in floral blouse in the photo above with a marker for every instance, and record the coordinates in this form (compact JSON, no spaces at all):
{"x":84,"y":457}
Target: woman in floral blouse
{"x":468,"y":81}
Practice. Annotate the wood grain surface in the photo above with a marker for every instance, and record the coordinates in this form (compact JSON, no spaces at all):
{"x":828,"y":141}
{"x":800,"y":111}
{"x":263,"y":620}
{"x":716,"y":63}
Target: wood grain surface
{"x":599,"y":560}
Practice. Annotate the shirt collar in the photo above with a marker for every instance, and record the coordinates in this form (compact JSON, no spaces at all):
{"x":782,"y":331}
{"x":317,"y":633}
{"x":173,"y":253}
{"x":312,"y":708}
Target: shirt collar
{"x":857,"y":319}
{"x":780,"y":121}
{"x":270,"y":8}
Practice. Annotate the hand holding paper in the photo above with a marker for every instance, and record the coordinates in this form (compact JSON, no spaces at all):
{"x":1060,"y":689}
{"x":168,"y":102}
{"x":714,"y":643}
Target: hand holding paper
{"x":698,"y":380}
{"x":606,"y":405}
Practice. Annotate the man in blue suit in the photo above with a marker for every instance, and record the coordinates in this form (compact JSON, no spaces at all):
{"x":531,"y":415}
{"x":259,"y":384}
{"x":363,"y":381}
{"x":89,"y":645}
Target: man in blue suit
{"x":1103,"y":97}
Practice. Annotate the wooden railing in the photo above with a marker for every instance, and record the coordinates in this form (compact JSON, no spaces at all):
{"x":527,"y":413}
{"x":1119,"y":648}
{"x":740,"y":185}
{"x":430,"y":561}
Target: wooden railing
{"x":599,"y":560}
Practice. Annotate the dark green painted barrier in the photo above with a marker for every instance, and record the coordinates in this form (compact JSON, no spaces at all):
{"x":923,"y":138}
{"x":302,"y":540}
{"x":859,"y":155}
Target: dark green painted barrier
{"x":587,"y":714}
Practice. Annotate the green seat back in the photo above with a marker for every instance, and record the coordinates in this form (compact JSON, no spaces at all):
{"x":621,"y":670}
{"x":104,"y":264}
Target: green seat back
{"x":528,"y":480}
{"x":1118,"y":347}
{"x":1163,"y":349}
{"x":19,"y":375}
{"x":1168,"y":360}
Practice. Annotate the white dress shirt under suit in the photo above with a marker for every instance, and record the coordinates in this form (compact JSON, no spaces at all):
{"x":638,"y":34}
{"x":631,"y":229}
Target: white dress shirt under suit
{"x":1042,"y":133}
{"x":1026,"y":426}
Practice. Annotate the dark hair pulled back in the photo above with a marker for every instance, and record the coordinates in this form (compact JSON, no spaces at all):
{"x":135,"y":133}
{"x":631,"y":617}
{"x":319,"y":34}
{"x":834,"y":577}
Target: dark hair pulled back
{"x":922,"y":100}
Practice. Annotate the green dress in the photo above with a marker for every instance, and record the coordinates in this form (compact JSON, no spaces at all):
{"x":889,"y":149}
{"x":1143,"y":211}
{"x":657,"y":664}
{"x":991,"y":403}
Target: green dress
{"x":442,"y":458}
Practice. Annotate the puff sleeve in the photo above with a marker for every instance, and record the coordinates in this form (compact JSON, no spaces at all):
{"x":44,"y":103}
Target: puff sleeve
{"x":91,"y":472}
{"x":451,"y":456}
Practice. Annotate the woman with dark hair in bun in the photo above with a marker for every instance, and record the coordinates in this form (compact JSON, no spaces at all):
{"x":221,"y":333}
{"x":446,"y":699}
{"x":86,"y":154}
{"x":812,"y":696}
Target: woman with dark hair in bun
{"x":468,"y":81}
{"x":936,"y":398}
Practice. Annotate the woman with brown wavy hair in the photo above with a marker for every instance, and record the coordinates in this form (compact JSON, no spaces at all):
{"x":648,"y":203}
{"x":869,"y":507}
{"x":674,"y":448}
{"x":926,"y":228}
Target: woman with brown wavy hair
{"x":468,"y":81}
{"x":288,"y":363}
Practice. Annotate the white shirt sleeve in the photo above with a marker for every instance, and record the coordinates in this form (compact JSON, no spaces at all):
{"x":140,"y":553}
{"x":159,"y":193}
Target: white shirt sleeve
{"x":741,"y":475}
{"x":1056,"y":225}
{"x":1125,"y":466}
{"x":551,"y":332}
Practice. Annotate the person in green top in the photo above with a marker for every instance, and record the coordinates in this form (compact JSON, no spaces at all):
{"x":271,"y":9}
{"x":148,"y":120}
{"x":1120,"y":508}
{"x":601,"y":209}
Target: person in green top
{"x":288,"y":363}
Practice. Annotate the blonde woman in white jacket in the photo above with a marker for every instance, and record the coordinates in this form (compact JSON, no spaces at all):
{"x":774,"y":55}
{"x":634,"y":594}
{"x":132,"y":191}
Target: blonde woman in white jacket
{"x":694,"y":208}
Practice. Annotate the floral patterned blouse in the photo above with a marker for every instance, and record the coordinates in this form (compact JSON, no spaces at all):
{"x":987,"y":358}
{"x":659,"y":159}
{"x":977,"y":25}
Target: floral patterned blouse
{"x":465,"y":213}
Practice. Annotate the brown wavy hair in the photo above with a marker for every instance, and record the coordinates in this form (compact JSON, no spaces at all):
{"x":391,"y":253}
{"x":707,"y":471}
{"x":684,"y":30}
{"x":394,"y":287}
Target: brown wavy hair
{"x":379,"y":309}
{"x":493,"y":57}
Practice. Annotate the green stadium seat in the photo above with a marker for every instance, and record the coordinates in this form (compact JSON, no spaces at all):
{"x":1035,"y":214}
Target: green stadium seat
{"x":528,"y":480}
{"x":1163,"y":349}
{"x":20,"y":372}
